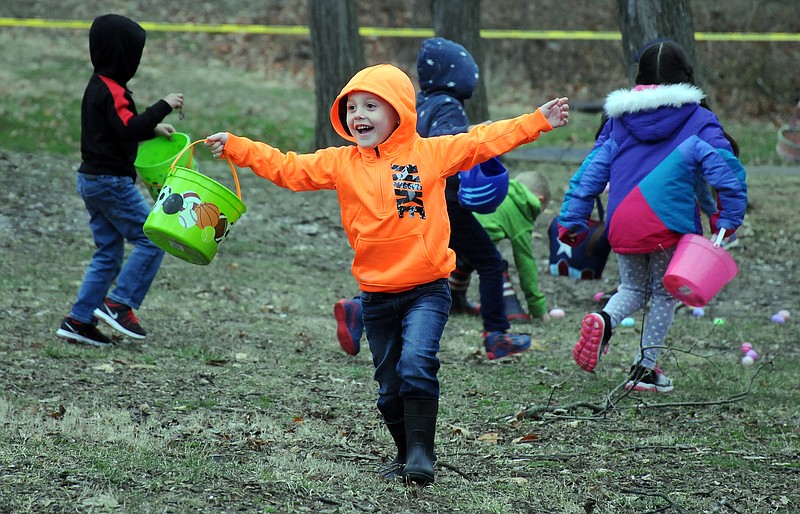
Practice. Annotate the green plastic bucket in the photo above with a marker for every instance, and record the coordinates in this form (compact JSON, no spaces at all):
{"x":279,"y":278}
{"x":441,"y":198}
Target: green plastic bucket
{"x":155,"y":156}
{"x":193,"y":213}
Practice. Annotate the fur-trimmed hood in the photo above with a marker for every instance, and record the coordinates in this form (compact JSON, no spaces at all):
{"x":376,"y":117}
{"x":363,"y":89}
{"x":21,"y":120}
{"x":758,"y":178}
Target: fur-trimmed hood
{"x":646,"y":98}
{"x":652,"y":113}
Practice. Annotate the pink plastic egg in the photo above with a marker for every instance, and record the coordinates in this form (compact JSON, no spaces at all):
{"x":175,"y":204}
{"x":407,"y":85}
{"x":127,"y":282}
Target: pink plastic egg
{"x":598,"y":296}
{"x":746,"y":347}
{"x":557,"y":313}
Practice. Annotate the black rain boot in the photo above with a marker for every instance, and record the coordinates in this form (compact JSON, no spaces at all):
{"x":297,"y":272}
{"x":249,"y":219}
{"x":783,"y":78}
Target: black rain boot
{"x":420,"y":432}
{"x":459,"y":283}
{"x":394,"y":469}
{"x":514,"y":310}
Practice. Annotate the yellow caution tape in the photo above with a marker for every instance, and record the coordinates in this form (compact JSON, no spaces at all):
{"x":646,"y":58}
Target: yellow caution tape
{"x":300,"y":30}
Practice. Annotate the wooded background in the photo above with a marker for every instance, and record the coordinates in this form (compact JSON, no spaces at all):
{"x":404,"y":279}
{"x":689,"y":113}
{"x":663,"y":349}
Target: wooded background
{"x":743,"y":79}
{"x":339,"y":52}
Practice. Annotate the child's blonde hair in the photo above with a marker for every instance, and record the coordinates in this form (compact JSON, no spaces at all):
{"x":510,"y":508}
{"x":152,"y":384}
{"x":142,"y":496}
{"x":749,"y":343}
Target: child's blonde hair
{"x":537,"y":184}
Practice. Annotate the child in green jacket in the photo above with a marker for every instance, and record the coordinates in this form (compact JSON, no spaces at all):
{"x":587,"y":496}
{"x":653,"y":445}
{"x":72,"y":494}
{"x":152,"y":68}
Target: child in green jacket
{"x":528,"y":195}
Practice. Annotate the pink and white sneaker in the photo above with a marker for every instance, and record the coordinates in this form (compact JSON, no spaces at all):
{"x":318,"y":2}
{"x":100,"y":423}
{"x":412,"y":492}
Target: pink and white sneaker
{"x":595,"y":334}
{"x":648,"y":380}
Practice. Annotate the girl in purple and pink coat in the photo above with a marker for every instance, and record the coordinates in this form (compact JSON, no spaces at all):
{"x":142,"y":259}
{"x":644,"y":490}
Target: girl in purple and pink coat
{"x":656,"y":142}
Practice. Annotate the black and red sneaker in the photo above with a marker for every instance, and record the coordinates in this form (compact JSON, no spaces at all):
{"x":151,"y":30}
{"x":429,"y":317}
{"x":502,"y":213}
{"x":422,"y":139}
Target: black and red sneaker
{"x":79,"y":332}
{"x":121,"y":318}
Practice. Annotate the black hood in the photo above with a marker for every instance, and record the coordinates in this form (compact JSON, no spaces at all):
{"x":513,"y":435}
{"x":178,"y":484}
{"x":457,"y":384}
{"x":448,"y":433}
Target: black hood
{"x":115,"y":45}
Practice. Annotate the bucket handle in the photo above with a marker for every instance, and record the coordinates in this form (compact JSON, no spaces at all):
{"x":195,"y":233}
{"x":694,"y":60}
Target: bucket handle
{"x":191,"y":145}
{"x":720,"y":237}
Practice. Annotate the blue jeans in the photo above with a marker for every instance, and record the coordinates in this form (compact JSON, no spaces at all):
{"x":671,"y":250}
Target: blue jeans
{"x":404,"y":331}
{"x":117,"y":211}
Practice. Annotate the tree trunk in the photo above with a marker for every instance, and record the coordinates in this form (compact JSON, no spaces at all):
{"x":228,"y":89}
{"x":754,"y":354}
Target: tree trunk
{"x":338,"y":54}
{"x":459,"y":21}
{"x":644,"y":21}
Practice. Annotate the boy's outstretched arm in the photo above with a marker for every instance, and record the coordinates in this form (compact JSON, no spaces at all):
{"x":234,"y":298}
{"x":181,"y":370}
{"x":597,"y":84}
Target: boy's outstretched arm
{"x":556,"y":111}
{"x":216,"y":143}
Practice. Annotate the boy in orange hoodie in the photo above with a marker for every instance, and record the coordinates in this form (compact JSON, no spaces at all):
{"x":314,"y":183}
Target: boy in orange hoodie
{"x":391,"y":187}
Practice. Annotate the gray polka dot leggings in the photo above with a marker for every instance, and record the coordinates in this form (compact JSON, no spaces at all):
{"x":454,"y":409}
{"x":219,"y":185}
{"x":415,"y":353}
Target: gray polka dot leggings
{"x":641,"y":279}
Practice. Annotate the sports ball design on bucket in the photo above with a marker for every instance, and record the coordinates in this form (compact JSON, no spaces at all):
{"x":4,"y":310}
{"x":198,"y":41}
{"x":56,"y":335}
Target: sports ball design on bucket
{"x":192,"y":211}
{"x":207,"y":215}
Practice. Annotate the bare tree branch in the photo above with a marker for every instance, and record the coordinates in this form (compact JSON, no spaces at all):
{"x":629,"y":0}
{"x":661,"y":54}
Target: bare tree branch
{"x":659,"y":495}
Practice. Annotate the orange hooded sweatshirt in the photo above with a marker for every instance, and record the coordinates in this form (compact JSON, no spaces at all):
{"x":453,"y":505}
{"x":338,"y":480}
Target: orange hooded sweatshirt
{"x":391,"y":197}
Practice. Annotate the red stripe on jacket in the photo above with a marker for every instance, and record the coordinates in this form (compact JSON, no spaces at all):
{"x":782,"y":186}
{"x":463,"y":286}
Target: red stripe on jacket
{"x":120,"y":102}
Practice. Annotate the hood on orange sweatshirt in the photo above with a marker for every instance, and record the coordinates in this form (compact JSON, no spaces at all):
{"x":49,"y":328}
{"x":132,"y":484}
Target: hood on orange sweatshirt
{"x":391,"y":84}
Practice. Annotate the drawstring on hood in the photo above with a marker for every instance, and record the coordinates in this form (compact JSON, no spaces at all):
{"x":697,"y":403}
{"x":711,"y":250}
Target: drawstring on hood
{"x":116,"y":44}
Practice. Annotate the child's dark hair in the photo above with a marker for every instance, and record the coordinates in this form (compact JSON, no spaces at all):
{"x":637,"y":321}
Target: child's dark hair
{"x":664,"y":62}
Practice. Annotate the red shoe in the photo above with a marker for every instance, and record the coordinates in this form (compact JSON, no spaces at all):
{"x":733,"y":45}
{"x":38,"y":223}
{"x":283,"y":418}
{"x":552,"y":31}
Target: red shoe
{"x":595,"y":334}
{"x":121,"y":318}
{"x":349,"y":325}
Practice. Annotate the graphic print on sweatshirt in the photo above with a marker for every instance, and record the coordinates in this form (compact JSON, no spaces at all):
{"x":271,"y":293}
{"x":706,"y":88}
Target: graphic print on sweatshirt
{"x":408,"y":191}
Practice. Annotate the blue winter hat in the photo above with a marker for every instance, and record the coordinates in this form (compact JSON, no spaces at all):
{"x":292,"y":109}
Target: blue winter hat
{"x":446,"y":66}
{"x":483,"y":187}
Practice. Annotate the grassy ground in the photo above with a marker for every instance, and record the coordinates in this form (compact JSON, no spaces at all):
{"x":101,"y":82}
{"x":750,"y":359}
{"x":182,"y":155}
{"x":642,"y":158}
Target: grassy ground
{"x":240,"y":399}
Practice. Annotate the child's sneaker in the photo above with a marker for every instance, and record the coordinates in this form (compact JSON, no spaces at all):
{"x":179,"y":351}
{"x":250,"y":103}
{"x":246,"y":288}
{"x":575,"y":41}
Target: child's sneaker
{"x":121,"y":318}
{"x":650,"y":380}
{"x":78,"y":332}
{"x":595,"y":334}
{"x":730,"y":241}
{"x":501,"y":344}
{"x":349,"y":325}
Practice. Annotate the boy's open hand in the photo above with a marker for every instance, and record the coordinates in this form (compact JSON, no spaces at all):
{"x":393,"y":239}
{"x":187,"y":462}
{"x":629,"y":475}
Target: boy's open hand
{"x":216,"y":143}
{"x":556,"y":111}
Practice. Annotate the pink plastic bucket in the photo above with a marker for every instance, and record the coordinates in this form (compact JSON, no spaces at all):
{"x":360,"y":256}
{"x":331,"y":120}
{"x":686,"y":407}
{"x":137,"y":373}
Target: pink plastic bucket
{"x":698,"y":270}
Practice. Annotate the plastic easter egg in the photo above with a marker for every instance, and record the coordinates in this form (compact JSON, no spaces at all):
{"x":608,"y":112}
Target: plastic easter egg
{"x":752,"y":354}
{"x":777,"y":318}
{"x":627,"y":322}
{"x":719,"y":321}
{"x":698,"y":312}
{"x":784,"y":314}
{"x":746,"y":347}
{"x":747,"y":360}
{"x":557,"y":313}
{"x":598,"y":296}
